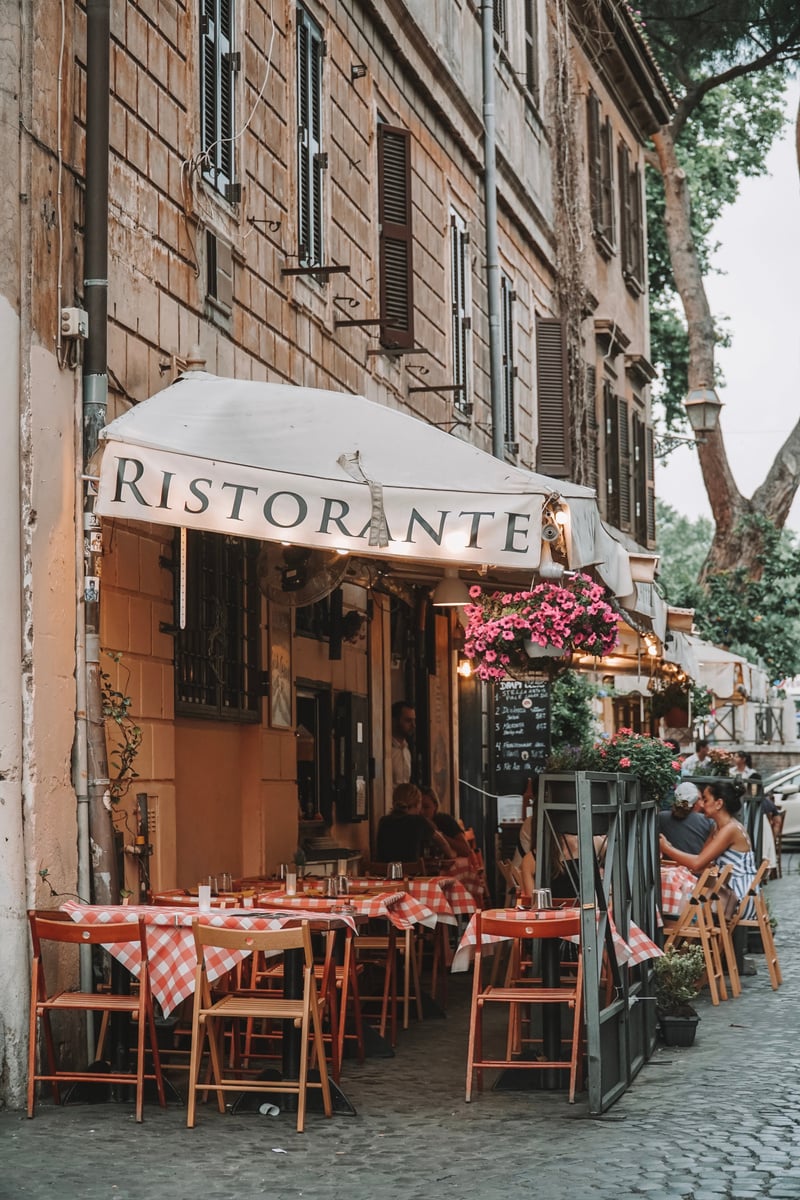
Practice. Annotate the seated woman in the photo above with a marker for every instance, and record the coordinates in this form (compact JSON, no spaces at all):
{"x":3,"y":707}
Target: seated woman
{"x":451,"y":843}
{"x":729,"y":842}
{"x":404,"y":834}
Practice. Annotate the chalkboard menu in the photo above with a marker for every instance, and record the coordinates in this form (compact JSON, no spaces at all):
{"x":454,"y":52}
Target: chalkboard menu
{"x":521,"y":733}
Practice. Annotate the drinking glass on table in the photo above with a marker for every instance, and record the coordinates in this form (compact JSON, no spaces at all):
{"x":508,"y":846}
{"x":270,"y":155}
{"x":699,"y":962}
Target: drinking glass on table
{"x":290,"y":879}
{"x":330,"y":886}
{"x":396,"y":870}
{"x":225,"y":881}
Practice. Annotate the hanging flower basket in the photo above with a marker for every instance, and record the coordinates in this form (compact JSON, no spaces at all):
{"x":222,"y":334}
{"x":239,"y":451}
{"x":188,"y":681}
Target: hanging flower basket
{"x":536,"y":632}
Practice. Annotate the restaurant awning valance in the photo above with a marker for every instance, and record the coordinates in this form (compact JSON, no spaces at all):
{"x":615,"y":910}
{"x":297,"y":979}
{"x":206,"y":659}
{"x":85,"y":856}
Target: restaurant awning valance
{"x":331,"y":470}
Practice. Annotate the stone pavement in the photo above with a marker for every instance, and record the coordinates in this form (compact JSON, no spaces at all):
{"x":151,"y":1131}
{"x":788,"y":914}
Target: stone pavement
{"x":718,"y":1120}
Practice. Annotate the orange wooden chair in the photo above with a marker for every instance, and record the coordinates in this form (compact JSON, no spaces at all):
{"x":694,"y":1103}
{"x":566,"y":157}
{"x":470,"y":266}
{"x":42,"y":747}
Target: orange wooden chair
{"x":754,"y":901}
{"x":520,"y":993}
{"x":60,"y":928}
{"x":695,"y":923}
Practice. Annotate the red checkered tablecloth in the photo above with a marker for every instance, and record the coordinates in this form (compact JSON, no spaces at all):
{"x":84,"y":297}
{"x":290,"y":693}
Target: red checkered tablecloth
{"x":677,"y":885}
{"x":635,"y":950}
{"x":170,"y":945}
{"x":397,"y":906}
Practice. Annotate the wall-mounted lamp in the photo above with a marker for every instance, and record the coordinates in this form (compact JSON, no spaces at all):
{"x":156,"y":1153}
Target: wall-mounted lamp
{"x":450,"y":592}
{"x":464,"y":668}
{"x":357,"y":71}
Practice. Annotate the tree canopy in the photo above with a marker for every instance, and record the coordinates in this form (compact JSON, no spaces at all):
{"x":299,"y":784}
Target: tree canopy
{"x":727,"y":61}
{"x":759,"y":619}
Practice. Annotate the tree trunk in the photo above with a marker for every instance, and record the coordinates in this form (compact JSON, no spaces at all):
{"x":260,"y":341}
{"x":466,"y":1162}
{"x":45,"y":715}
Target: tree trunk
{"x":738,"y":537}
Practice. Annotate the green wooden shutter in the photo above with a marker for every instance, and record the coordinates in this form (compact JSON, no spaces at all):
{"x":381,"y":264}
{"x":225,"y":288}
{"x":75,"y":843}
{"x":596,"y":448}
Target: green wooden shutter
{"x":607,"y":216}
{"x":396,"y":244}
{"x":592,"y":448}
{"x":611,"y":454}
{"x":218,"y":65}
{"x":595,"y":160}
{"x":507,"y":298}
{"x":461,"y":300}
{"x":624,"y":440}
{"x":553,"y":453}
{"x":651,"y":489}
{"x":311,"y":161}
{"x":639,"y":480}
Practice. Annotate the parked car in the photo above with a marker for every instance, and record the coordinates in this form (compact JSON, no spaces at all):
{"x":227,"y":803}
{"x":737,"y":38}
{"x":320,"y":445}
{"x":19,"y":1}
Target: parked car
{"x":784,"y":788}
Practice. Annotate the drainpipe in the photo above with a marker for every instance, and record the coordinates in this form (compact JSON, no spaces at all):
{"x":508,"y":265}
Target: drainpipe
{"x":490,"y":213}
{"x":95,"y":395}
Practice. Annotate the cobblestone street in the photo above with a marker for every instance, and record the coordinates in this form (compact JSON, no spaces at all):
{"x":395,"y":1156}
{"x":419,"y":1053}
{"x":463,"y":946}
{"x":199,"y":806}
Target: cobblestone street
{"x":717,"y":1120}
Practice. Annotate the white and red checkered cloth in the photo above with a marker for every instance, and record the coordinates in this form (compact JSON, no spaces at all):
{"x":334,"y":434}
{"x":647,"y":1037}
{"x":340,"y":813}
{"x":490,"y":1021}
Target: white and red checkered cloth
{"x":170,"y":945}
{"x":635,"y":950}
{"x":445,"y":895}
{"x":396,"y":905}
{"x":677,"y":885}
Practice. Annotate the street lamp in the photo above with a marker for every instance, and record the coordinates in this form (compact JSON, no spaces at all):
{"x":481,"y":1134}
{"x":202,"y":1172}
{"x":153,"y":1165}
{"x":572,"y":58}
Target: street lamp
{"x":702,"y":408}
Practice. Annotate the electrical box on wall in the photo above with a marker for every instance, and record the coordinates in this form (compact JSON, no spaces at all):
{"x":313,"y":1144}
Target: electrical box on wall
{"x":352,"y":756}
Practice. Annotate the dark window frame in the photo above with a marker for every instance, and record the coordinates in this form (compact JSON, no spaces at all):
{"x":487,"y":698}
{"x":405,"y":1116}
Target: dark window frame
{"x":631,"y":222}
{"x":553,"y":439}
{"x":217,"y":655}
{"x":600,"y":152}
{"x":312,"y":160}
{"x":461,"y":303}
{"x":532,"y":66}
{"x":396,"y":243}
{"x":507,"y":301}
{"x":218,"y":66}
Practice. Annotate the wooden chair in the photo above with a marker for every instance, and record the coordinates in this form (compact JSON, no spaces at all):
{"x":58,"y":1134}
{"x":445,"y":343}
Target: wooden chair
{"x":208,"y":1016}
{"x":720,"y":894}
{"x":695,"y":923}
{"x":523,"y":993}
{"x":390,"y":952}
{"x":60,"y":928}
{"x":754,"y":901}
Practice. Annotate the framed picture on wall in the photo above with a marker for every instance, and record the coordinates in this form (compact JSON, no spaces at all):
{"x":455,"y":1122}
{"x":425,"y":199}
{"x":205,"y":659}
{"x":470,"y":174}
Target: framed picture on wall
{"x":280,"y":667}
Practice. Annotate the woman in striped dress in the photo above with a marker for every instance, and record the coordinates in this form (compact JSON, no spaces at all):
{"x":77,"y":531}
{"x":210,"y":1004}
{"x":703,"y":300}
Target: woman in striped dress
{"x":729,"y":842}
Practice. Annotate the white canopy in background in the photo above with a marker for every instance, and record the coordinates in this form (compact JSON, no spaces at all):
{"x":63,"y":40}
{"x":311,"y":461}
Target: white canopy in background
{"x":724,"y":672}
{"x":336,"y":471}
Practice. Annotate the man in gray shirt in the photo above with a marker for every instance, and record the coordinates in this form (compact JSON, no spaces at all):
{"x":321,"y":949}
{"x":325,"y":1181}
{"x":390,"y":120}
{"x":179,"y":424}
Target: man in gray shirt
{"x":682,"y":826}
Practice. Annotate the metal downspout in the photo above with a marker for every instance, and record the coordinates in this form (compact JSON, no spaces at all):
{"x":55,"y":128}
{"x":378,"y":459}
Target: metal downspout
{"x":95,"y":396}
{"x":490,"y":212}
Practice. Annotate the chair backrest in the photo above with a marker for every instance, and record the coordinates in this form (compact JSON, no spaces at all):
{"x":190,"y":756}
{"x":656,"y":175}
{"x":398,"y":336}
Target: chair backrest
{"x":498,"y":923}
{"x":750,"y":894}
{"x":273,"y":941}
{"x":59,"y":927}
{"x":693,"y":905}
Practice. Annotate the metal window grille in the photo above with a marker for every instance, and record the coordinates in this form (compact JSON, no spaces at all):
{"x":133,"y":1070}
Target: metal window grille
{"x":311,"y":161}
{"x":501,"y":21}
{"x":218,"y":66}
{"x":216,"y":655}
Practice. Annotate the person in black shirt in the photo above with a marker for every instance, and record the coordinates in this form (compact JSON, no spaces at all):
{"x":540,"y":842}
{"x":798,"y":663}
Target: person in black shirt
{"x":684,"y":826}
{"x":451,"y":843}
{"x":404,"y":834}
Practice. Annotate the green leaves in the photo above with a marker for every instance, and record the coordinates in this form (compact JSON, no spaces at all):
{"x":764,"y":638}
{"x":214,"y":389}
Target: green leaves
{"x":116,"y":707}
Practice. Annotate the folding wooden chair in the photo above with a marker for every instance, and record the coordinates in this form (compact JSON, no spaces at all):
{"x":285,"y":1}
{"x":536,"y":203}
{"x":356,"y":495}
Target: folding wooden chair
{"x":776,"y":821}
{"x":720,"y":896}
{"x":754,"y":902}
{"x":695,"y":923}
{"x":59,"y":927}
{"x":208,"y":1015}
{"x":523,"y":993}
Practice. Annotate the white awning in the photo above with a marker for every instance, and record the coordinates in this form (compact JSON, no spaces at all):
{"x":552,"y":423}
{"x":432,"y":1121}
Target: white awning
{"x":333,"y":470}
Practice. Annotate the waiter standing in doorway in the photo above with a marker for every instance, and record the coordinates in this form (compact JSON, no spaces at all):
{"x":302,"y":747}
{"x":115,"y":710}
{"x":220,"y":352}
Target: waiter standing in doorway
{"x":404,"y":723}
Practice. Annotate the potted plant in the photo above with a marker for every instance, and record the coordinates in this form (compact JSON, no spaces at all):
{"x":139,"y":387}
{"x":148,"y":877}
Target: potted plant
{"x":505,"y":630}
{"x":675,"y":977}
{"x":650,"y":759}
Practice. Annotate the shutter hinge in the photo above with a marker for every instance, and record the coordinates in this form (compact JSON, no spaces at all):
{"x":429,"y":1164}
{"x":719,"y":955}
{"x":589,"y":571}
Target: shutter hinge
{"x":204,"y":24}
{"x":321,"y":160}
{"x":512,"y":295}
{"x":232,"y":61}
{"x":233,"y":193}
{"x":466,"y":322}
{"x":322,"y":48}
{"x":465,"y":237}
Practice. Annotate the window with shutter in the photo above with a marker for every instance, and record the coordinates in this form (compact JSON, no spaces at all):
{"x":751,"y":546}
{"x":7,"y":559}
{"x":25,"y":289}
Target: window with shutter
{"x":394,"y":219}
{"x":624,"y":440}
{"x":461,"y":293}
{"x":610,"y":422}
{"x":592,"y":448}
{"x":311,"y":160}
{"x":631,"y":222}
{"x":532,"y":49}
{"x":651,"y":487}
{"x":507,"y":298}
{"x":501,"y":20}
{"x":601,"y":174}
{"x":553,"y":456}
{"x":218,"y":66}
{"x":639,"y":480}
{"x":219,"y":272}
